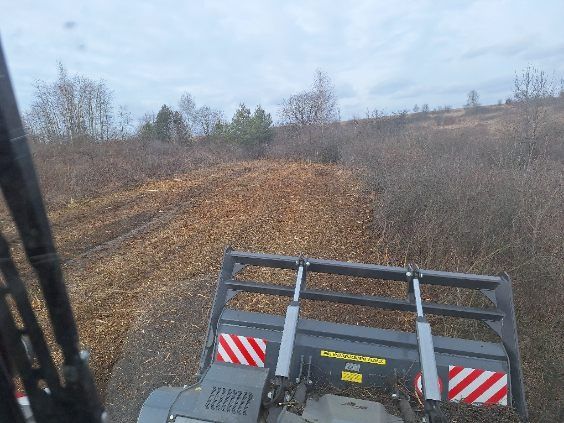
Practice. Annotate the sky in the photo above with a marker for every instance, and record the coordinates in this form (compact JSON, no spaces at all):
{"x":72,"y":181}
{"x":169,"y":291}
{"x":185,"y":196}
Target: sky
{"x":385,"y":55}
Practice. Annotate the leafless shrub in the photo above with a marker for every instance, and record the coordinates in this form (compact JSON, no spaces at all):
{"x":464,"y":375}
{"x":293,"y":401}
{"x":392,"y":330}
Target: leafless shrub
{"x":472,"y":105}
{"x":316,"y":106}
{"x":472,"y":99}
{"x":444,"y":119}
{"x":531,"y":91}
{"x":70,"y":172}
{"x":124,"y":124}
{"x":312,"y":143}
{"x":451,"y":198}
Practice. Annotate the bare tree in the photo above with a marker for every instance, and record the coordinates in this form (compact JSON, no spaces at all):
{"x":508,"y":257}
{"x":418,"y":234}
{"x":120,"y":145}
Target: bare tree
{"x":425,"y":108}
{"x":187,"y":106}
{"x":531,"y":89}
{"x":374,"y":114}
{"x":472,"y":99}
{"x":206,"y":120}
{"x":325,"y":98}
{"x":316,"y":106}
{"x":71,"y":108}
{"x":124,"y":123}
{"x":199,"y":120}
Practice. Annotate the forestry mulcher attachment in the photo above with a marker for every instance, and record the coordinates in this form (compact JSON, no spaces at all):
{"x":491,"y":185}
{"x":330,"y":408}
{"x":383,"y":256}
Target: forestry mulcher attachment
{"x":258,"y":367}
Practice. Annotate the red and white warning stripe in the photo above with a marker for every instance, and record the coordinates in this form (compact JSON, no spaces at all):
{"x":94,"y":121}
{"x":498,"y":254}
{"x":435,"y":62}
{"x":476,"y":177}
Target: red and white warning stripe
{"x":477,"y":386}
{"x":241,"y":350}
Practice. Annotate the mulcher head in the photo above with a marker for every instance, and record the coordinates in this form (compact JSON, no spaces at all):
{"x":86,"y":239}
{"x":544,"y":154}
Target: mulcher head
{"x":296,"y":355}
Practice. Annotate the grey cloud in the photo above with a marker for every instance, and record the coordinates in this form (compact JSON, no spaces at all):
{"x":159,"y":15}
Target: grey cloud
{"x":262,"y":51}
{"x":391,"y":86}
{"x":527,"y":49}
{"x":553,"y":52}
{"x":345,"y":91}
{"x":493,"y":86}
{"x":505,"y":50}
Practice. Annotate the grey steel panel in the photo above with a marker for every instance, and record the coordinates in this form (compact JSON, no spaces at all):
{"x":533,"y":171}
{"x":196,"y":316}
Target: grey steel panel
{"x":368,"y":301}
{"x":432,"y":277}
{"x":313,"y":334}
{"x":247,"y":322}
{"x":227,"y":393}
{"x":156,"y":407}
{"x":398,"y":348}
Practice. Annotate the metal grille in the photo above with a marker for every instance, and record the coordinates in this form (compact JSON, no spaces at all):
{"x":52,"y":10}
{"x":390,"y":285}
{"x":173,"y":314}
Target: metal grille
{"x":229,"y":400}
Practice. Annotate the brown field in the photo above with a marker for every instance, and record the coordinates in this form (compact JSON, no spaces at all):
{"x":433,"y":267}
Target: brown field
{"x":139,"y":224}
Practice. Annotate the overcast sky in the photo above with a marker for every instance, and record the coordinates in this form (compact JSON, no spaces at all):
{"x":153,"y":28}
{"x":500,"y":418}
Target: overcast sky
{"x":380,"y":54}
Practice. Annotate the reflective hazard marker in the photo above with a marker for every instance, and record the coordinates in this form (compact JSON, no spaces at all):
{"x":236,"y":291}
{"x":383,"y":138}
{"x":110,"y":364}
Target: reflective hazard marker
{"x":477,"y":386}
{"x":241,"y":350}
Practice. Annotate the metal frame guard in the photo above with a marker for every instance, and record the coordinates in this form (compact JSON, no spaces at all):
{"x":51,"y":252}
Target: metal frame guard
{"x":500,"y":318}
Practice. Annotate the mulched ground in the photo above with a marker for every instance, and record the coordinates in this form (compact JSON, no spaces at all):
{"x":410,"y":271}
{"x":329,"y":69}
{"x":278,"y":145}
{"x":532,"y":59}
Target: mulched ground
{"x":161,"y":348}
{"x":141,"y":264}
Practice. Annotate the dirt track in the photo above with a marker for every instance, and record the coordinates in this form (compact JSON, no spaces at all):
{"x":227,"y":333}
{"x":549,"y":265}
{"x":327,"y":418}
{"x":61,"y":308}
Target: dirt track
{"x":128,"y":250}
{"x":141,"y":263}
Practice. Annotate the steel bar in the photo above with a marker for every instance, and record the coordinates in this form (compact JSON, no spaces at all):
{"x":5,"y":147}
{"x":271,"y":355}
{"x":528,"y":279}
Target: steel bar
{"x":432,"y":277}
{"x":386,"y":303}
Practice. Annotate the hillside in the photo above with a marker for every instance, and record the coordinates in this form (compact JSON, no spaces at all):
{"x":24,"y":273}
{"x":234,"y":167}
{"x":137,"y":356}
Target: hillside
{"x":141,"y":228}
{"x":140,"y":263}
{"x":130,"y":249}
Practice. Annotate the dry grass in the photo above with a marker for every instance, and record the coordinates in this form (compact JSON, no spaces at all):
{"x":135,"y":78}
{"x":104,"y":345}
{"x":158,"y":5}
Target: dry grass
{"x":450,"y":194}
{"x":71,"y":172}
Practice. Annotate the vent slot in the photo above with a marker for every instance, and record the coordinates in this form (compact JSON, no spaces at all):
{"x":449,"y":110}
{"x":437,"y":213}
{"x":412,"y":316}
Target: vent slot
{"x":227,"y":400}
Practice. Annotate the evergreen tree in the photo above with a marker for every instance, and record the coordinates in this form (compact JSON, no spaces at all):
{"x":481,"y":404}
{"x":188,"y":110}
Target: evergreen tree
{"x":163,"y":127}
{"x":262,"y":126}
{"x":248,"y":129}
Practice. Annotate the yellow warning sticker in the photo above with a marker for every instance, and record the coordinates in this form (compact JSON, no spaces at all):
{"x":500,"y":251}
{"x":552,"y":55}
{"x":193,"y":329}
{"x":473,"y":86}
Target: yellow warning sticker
{"x":351,"y":377}
{"x":353,"y":357}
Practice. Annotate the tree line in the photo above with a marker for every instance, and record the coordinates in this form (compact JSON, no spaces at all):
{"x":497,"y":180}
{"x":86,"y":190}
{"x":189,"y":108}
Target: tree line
{"x":75,"y":107}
